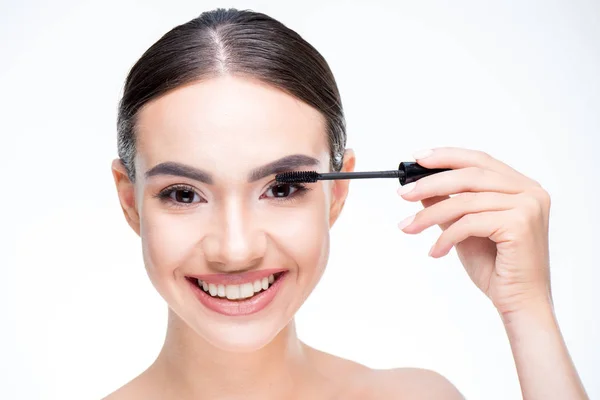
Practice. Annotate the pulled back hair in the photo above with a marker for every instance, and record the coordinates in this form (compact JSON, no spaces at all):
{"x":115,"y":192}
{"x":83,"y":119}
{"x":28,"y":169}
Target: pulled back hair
{"x":231,"y":42}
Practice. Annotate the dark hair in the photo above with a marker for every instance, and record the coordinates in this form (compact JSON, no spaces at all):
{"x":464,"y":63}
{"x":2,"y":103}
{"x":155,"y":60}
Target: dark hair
{"x":243,"y":43}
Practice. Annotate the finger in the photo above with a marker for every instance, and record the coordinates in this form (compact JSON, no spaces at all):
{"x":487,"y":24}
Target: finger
{"x":449,"y":211}
{"x":471,"y":179}
{"x":456,"y":158}
{"x":428,"y":202}
{"x":432,"y":201}
{"x":483,"y":224}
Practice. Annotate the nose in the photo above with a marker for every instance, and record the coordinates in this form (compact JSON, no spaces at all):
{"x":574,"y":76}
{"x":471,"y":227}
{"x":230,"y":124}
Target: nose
{"x":236,"y":240}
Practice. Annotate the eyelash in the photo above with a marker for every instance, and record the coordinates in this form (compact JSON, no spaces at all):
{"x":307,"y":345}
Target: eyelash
{"x":165,"y":194}
{"x":301,"y":189}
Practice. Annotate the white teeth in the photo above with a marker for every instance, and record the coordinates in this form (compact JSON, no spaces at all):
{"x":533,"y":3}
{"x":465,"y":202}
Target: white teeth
{"x":232,"y":292}
{"x":246,"y":290}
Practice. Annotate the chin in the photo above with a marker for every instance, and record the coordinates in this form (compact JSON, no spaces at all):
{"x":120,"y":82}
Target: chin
{"x":241,"y":339}
{"x":235,"y":326}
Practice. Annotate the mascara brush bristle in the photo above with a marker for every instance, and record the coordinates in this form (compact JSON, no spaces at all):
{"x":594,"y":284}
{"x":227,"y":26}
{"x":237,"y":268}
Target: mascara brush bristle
{"x":297,"y":177}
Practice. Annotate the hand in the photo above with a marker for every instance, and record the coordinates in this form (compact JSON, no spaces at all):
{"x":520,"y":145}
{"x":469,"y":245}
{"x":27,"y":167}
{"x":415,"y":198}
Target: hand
{"x":497,"y":220}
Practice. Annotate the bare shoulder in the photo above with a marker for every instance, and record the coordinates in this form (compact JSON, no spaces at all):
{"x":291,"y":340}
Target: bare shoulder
{"x":123,"y":393}
{"x":410,"y":383}
{"x":119,"y":394}
{"x":130,"y":391}
{"x":357,"y":381}
{"x":141,"y":387}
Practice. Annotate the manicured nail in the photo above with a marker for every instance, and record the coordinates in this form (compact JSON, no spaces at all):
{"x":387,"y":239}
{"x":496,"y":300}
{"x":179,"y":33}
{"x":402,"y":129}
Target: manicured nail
{"x":431,"y":250}
{"x":402,"y":190}
{"x":406,"y":222}
{"x":422,"y":154}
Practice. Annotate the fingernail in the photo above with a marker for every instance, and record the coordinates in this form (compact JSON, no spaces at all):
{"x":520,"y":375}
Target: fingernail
{"x":406,"y":222}
{"x":431,"y":250}
{"x":422,"y":154}
{"x":402,"y":190}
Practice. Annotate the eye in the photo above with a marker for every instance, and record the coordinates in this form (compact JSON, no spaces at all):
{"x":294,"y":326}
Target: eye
{"x":184,"y":196}
{"x":180,"y":195}
{"x":283,"y":190}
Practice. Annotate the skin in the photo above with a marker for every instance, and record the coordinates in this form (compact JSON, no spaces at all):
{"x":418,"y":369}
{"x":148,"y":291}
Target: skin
{"x":235,"y":225}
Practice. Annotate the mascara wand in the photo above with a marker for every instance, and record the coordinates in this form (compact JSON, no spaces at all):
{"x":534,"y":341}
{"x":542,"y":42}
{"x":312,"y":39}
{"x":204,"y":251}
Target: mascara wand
{"x":407,"y":172}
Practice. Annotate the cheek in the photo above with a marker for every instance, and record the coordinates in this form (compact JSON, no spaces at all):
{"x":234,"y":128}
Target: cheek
{"x":303,"y":234}
{"x":168,"y":240}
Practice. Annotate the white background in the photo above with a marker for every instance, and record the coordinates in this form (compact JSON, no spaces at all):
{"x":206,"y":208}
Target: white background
{"x":518,"y":79}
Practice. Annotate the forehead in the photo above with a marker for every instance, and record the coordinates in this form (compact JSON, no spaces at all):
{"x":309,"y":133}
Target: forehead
{"x":228,"y":123}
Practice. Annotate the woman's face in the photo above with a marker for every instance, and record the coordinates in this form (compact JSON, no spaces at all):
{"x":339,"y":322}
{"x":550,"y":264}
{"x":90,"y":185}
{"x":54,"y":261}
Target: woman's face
{"x":232,"y":252}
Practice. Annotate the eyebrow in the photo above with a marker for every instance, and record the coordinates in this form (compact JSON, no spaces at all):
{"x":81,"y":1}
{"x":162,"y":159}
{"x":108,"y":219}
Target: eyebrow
{"x":283,"y":164}
{"x":177,"y":169}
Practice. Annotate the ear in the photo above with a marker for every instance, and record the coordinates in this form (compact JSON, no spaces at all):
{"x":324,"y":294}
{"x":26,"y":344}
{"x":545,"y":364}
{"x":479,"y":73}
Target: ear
{"x":126,"y":192}
{"x":339,"y":190}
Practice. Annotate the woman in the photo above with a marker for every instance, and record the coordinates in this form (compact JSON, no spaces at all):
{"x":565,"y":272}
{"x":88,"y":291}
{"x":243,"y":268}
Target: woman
{"x":209,"y":115}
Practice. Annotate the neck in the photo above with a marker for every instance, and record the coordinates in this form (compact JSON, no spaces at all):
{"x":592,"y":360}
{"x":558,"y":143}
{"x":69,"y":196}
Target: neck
{"x":194,"y":368}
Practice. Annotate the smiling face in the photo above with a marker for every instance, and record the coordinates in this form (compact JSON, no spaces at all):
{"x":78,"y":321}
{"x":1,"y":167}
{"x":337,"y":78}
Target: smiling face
{"x":232,"y":252}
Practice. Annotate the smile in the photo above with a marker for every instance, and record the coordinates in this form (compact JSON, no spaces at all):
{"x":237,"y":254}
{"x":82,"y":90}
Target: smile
{"x":237,"y":294}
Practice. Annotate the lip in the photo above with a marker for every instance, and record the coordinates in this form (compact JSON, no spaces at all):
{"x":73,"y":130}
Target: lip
{"x":237,"y":278}
{"x":239,"y":307}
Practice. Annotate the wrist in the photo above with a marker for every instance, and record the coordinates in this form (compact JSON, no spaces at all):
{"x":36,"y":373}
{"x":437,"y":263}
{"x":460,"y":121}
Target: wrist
{"x":528,"y":300}
{"x":543,"y":362}
{"x":534,"y":313}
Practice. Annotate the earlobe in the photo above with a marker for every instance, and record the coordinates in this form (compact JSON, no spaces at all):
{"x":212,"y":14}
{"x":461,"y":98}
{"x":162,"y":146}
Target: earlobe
{"x":339,"y":190}
{"x":126,"y":192}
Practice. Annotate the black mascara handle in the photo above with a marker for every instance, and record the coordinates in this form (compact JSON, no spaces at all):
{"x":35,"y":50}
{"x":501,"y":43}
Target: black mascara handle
{"x":412,"y":172}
